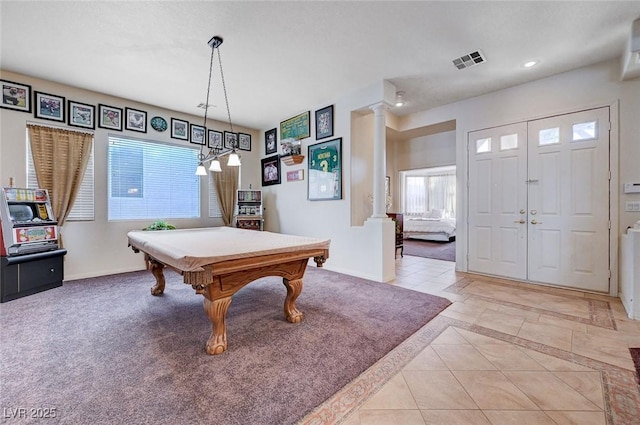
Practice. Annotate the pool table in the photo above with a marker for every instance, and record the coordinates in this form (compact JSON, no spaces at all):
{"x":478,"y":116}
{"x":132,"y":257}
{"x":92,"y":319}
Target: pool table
{"x":217,"y":262}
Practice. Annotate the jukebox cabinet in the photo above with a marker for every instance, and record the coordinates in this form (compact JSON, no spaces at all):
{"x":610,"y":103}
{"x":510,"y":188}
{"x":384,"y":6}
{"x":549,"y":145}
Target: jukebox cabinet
{"x":30,"y":257}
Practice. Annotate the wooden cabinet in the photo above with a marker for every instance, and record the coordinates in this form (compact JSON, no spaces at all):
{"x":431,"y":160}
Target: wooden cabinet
{"x":249,"y":210}
{"x":397,"y":218}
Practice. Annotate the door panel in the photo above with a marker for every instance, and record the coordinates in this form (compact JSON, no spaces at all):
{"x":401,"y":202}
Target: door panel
{"x":568,"y":199}
{"x":497,"y":195}
{"x":539,"y":200}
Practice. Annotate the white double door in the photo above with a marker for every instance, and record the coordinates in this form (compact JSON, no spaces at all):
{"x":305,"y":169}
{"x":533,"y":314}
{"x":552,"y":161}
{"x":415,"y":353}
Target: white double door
{"x":539,"y":200}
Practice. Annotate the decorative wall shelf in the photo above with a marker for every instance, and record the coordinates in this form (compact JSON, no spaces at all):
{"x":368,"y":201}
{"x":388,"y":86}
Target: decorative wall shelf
{"x":292,"y":159}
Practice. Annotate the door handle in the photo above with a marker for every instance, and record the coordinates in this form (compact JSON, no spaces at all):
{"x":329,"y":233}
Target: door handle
{"x":535,"y":222}
{"x":521,"y":221}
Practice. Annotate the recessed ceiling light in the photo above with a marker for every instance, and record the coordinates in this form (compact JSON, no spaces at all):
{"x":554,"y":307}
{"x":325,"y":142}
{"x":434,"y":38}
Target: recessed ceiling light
{"x":529,"y":64}
{"x":399,"y":98}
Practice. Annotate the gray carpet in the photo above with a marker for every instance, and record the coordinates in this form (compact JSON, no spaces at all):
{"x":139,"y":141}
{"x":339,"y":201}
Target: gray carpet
{"x":430,"y":249}
{"x":104,"y":351}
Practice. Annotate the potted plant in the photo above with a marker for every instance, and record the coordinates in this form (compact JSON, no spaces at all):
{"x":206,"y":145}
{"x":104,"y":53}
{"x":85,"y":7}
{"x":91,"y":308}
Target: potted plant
{"x":160,"y":225}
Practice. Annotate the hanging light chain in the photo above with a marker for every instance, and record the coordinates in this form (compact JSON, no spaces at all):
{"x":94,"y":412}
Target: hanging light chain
{"x":224,"y":88}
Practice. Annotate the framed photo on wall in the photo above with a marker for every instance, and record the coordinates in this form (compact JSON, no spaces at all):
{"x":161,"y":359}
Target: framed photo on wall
{"x":271,"y":141}
{"x":270,"y":170}
{"x":136,"y":120}
{"x":244,"y":141}
{"x":297,"y":127}
{"x":16,"y":96}
{"x":82,"y":115}
{"x":325,"y":170}
{"x":49,"y":106}
{"x":179,"y":129}
{"x":109,"y":117}
{"x":198,"y":134}
{"x":324,"y":122}
{"x":215,"y":139}
{"x":230,"y":140}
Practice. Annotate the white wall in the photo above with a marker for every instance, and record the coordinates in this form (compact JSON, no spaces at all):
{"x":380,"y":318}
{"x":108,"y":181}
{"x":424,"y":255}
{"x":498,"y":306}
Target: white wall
{"x":99,"y":247}
{"x":363,"y":249}
{"x":588,"y":87}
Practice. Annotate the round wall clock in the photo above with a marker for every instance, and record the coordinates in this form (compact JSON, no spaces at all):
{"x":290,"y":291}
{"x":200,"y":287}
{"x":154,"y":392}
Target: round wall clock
{"x":158,"y":124}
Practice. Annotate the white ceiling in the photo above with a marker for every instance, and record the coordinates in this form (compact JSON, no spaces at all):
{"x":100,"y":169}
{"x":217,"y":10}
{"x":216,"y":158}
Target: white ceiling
{"x":283,"y":58}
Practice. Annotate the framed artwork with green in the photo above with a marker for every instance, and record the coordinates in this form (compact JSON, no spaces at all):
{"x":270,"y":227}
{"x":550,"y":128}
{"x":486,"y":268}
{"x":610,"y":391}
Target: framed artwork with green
{"x":325,"y":170}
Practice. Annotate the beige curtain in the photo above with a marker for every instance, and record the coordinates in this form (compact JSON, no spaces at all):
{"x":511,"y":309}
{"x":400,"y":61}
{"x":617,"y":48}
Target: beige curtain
{"x":60,"y":159}
{"x":227,"y":187}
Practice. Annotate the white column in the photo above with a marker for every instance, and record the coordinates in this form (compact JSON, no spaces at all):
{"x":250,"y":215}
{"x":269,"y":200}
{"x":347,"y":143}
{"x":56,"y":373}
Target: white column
{"x":379,"y":159}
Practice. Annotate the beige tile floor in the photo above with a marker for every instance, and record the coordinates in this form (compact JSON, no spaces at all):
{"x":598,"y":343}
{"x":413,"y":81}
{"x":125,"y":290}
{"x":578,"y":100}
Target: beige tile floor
{"x":502,"y":353}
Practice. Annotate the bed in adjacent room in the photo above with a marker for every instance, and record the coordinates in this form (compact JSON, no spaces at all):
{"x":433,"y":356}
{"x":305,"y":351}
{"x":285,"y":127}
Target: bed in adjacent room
{"x":431,"y":227}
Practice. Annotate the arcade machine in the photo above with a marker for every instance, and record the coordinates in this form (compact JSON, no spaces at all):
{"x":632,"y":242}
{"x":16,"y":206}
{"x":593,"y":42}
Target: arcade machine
{"x":30,"y":257}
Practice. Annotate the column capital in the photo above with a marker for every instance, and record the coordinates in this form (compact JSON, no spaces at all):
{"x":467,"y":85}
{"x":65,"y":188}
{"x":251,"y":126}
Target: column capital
{"x":380,"y":107}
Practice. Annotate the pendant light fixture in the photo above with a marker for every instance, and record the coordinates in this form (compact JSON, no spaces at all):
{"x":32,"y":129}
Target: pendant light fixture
{"x":215,"y":152}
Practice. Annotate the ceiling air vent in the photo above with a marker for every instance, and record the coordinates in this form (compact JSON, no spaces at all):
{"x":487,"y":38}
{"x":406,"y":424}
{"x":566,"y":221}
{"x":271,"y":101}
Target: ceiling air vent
{"x":471,"y":59}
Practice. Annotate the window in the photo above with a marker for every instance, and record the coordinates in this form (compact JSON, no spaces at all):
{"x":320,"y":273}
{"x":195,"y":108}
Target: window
{"x":150,"y":180}
{"x":83,"y":207}
{"x":483,"y":145}
{"x":584,"y":131}
{"x":509,"y":141}
{"x":549,"y":136}
{"x":433,"y":188}
{"x":415,"y":195}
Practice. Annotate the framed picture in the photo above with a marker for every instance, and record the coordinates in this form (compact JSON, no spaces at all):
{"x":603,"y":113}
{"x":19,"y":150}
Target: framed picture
{"x":215,"y":140}
{"x":325,"y":170}
{"x":16,"y":96}
{"x":270,"y":170}
{"x":296,"y":127}
{"x":230,"y":140}
{"x":296,"y":175}
{"x":271,"y":141}
{"x":197,"y":134}
{"x":324,"y":122}
{"x":49,"y":106}
{"x":109,"y":117}
{"x":82,"y":115}
{"x":179,"y":129}
{"x":136,"y":120}
{"x":244,"y":141}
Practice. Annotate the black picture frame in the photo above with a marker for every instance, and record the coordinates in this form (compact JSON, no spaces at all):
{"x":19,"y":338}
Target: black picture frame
{"x":324,"y":122}
{"x":214,"y":139}
{"x":244,"y":141}
{"x":81,"y":115}
{"x":49,"y":106}
{"x":297,"y":127}
{"x":198,"y":134}
{"x":109,"y":117}
{"x":16,"y":96}
{"x":270,"y":170}
{"x":271,"y":141}
{"x":230,"y":140}
{"x":325,"y":170}
{"x":135,"y":120}
{"x":179,"y":129}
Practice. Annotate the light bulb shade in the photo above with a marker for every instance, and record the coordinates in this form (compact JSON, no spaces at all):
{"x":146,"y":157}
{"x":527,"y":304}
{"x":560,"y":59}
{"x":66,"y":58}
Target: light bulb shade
{"x":215,"y":166}
{"x":234,"y":160}
{"x":201,"y":171}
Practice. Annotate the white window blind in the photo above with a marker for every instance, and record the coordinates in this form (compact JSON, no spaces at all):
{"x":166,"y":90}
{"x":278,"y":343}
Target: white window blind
{"x":83,"y":207}
{"x":151,"y":180}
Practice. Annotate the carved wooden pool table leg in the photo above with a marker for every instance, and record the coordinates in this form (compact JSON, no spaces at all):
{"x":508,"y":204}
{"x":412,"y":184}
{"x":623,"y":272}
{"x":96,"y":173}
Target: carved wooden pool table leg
{"x":294,"y":288}
{"x":217,"y":312}
{"x":157,"y":271}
